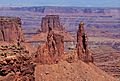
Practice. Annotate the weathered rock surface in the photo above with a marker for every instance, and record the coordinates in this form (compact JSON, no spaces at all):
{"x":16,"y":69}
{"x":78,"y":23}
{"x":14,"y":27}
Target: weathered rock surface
{"x":15,"y":64}
{"x":10,"y":29}
{"x":64,"y":71}
{"x":52,"y":51}
{"x":55,"y":44}
{"x":82,"y":45}
{"x":51,"y":21}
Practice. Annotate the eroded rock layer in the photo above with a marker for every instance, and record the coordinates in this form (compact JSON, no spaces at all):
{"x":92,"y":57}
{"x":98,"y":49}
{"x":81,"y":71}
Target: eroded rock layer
{"x":10,"y":29}
{"x":51,"y":21}
{"x":15,"y":64}
{"x":82,"y":45}
{"x":52,"y":50}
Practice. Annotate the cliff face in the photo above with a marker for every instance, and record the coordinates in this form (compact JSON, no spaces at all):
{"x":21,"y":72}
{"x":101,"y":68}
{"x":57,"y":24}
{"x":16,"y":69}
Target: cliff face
{"x":55,"y":44}
{"x":53,"y":49}
{"x":82,"y":45}
{"x":10,"y":29}
{"x":51,"y":21}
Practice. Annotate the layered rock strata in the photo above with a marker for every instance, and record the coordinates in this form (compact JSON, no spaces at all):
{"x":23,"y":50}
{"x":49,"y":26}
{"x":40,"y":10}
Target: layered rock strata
{"x":51,"y":21}
{"x":10,"y":29}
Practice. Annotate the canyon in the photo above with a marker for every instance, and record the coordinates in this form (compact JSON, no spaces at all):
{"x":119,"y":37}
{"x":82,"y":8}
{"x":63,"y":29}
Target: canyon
{"x":62,"y":44}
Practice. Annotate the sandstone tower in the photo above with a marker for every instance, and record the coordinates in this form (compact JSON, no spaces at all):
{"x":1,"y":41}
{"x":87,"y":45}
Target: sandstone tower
{"x":82,"y":45}
{"x":53,"y":49}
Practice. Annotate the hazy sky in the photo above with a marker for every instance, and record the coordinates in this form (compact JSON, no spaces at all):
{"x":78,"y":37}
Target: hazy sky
{"x":79,"y":3}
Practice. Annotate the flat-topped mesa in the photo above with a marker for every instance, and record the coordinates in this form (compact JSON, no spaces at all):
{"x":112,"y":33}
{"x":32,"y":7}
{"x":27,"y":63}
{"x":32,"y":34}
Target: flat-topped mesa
{"x":10,"y":29}
{"x":53,"y":50}
{"x":51,"y":21}
{"x":82,"y":45}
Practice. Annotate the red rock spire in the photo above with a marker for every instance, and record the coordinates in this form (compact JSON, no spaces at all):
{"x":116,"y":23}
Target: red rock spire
{"x":82,"y":45}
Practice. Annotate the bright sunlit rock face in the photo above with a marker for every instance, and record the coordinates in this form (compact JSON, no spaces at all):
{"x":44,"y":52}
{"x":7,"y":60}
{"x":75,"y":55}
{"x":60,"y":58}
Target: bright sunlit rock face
{"x":51,"y":43}
{"x":10,"y":29}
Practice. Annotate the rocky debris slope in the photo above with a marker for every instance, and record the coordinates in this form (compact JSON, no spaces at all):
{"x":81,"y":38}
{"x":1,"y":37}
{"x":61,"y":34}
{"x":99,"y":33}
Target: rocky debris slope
{"x":10,"y":29}
{"x":76,"y":71}
{"x":15,"y":64}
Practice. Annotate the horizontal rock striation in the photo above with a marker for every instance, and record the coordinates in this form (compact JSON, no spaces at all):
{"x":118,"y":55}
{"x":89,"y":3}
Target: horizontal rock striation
{"x":51,"y":21}
{"x":10,"y":29}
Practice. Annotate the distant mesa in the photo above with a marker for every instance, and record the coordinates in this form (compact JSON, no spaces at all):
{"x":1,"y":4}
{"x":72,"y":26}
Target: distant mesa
{"x":10,"y":29}
{"x":51,"y":22}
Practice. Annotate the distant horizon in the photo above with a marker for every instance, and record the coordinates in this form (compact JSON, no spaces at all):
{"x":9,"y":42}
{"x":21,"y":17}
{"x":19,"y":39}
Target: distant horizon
{"x":60,"y":3}
{"x":57,"y":6}
{"x":52,"y":6}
